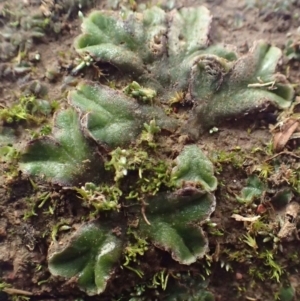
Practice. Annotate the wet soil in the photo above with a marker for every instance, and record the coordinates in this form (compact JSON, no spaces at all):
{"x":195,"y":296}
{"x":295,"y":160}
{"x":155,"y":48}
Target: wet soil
{"x":24,"y":239}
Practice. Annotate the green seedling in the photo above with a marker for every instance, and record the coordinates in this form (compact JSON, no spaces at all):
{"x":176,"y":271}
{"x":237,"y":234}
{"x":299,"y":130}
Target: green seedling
{"x":133,"y":251}
{"x":27,"y":109}
{"x":135,"y":270}
{"x":222,"y":157}
{"x":85,"y":61}
{"x":276,"y":270}
{"x":265,"y":170}
{"x":102,"y":198}
{"x":3,"y":285}
{"x":148,"y":134}
{"x":123,"y":160}
{"x":50,"y":210}
{"x":250,"y":241}
{"x":160,"y":279}
{"x":44,"y":131}
{"x":29,"y":213}
{"x":178,"y":98}
{"x":8,"y":154}
{"x":136,"y":91}
{"x":213,"y":229}
{"x":38,"y":267}
{"x":61,"y":226}
{"x":225,"y":265}
{"x":42,"y":282}
{"x":44,"y":198}
{"x":152,"y":173}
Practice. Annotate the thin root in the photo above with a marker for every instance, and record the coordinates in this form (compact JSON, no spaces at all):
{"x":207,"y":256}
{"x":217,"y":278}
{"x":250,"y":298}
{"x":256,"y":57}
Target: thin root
{"x":283,"y":153}
{"x":144,"y":215}
{"x":15,"y":291}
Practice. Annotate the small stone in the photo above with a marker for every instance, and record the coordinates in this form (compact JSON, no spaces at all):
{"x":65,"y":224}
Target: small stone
{"x":261,"y":209}
{"x":238,"y":276}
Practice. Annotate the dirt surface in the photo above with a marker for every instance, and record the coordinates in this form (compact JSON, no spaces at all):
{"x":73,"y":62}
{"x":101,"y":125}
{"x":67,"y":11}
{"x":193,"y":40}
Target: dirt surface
{"x":236,"y":149}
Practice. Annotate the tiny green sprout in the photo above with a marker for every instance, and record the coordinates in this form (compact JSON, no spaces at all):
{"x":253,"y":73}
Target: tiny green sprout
{"x":133,"y":250}
{"x":250,"y":241}
{"x":8,"y":153}
{"x":133,"y":5}
{"x":102,"y":198}
{"x":31,"y":212}
{"x":255,"y":150}
{"x":139,"y":289}
{"x":138,"y":248}
{"x":136,"y":91}
{"x":260,"y":227}
{"x":60,"y":226}
{"x":85,"y":61}
{"x":3,"y":285}
{"x":225,"y":265}
{"x":234,"y":157}
{"x":44,"y":131}
{"x":148,"y":134}
{"x":206,"y":267}
{"x":177,"y":98}
{"x":112,"y":84}
{"x":137,"y":271}
{"x":123,"y":160}
{"x":275,"y":269}
{"x":160,"y":279}
{"x":38,"y":267}
{"x":269,"y":148}
{"x":257,"y":273}
{"x":264,"y":170}
{"x":119,"y":162}
{"x":213,"y":230}
{"x":42,"y":282}
{"x":27,"y":109}
{"x":44,"y":198}
{"x":254,"y":190}
{"x":50,"y":210}
{"x":34,"y":186}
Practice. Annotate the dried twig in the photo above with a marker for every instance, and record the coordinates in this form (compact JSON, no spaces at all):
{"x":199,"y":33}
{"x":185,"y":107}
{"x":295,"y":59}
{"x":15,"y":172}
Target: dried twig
{"x":144,"y":215}
{"x":283,"y":153}
{"x":15,"y":291}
